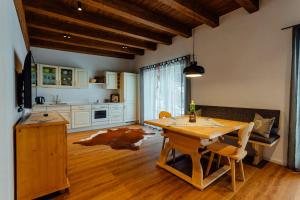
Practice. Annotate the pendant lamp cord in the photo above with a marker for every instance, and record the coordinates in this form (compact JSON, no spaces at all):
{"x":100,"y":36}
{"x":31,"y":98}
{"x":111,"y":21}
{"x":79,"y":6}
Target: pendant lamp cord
{"x":193,"y":33}
{"x":193,"y":45}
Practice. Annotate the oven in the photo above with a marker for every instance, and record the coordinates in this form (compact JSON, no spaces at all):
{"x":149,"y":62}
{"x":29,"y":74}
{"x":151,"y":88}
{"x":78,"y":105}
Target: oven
{"x":99,"y":114}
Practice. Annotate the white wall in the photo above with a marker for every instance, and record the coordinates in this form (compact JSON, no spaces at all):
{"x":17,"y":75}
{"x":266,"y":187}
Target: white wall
{"x":95,"y":65}
{"x":247,"y":61}
{"x":11,"y":41}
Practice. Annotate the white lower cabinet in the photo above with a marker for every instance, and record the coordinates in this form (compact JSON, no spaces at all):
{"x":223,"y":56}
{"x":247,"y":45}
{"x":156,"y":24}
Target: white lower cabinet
{"x":116,"y":113}
{"x":65,"y":111}
{"x":81,"y":116}
{"x":68,"y":117}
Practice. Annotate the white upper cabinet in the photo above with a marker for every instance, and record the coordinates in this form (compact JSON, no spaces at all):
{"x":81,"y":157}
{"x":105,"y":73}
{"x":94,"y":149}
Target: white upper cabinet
{"x":48,"y":76}
{"x":66,"y":77}
{"x":81,"y":78}
{"x":111,"y":80}
{"x":128,"y":92}
{"x":62,"y":77}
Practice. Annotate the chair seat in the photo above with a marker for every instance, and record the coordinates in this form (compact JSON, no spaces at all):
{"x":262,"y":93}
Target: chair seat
{"x":226,"y":150}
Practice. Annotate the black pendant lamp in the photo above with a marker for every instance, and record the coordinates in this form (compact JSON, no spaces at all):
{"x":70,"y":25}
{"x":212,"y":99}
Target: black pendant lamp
{"x":193,"y":70}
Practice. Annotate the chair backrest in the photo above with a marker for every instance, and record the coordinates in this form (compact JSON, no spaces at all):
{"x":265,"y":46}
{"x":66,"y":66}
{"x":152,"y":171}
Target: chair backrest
{"x":243,"y":136}
{"x":164,"y":114}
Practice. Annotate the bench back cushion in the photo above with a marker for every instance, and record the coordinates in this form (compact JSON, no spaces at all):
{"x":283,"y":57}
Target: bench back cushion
{"x":238,"y":114}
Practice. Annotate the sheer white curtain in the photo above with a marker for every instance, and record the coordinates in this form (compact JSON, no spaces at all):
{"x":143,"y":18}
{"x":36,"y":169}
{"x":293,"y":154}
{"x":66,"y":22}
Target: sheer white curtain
{"x":163,"y":89}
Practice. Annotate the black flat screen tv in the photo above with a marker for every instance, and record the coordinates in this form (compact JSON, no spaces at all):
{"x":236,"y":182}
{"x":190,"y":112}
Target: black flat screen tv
{"x":23,"y":85}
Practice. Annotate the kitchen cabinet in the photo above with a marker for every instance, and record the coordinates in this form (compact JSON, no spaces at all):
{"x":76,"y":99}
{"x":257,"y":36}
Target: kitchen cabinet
{"x":67,"y":116}
{"x":81,"y":78}
{"x":116,"y":113}
{"x":66,"y":77}
{"x":60,"y":77}
{"x":48,"y":76}
{"x":111,"y":80}
{"x":34,"y":75}
{"x":81,"y":116}
{"x":64,"y":111}
{"x":128,"y":96}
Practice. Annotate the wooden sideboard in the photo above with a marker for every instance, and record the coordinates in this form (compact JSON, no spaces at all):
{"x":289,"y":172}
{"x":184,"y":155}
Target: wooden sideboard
{"x":41,"y":155}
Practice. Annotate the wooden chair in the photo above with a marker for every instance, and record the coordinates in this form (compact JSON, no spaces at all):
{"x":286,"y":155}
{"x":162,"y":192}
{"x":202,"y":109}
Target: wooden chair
{"x":233,"y":154}
{"x":165,"y":114}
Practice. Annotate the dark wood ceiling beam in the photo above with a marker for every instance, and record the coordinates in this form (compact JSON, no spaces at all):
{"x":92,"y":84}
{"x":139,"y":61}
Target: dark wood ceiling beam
{"x":250,"y":5}
{"x":59,"y":10}
{"x":22,"y":21}
{"x":193,"y":10}
{"x":79,"y":41}
{"x":136,"y":13}
{"x":40,"y":22}
{"x":72,"y":48}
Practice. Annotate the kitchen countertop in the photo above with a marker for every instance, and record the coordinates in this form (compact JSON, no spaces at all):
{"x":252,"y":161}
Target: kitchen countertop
{"x":73,"y":104}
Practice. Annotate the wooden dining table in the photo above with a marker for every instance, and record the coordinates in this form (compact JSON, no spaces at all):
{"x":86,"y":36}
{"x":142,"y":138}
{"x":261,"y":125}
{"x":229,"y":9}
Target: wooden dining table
{"x":188,"y":138}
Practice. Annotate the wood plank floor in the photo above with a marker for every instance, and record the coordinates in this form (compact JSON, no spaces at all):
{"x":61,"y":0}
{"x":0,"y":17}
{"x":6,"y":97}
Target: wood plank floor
{"x":98,"y":172}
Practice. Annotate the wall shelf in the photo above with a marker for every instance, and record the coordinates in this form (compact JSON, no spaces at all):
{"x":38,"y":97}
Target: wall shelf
{"x":97,"y":83}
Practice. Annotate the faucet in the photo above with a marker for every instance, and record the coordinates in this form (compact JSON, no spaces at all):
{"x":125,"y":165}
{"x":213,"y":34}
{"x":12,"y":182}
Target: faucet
{"x":56,"y":99}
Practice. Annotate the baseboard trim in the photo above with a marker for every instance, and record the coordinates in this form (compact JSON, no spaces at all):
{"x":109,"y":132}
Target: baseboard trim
{"x":276,"y":161}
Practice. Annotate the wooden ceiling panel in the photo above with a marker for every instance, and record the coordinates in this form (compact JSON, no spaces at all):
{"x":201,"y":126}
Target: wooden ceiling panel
{"x":250,"y":5}
{"x":57,"y":9}
{"x":219,"y":7}
{"x":193,"y":10}
{"x":156,"y":6}
{"x":135,"y":13}
{"x":92,"y":6}
{"x":78,"y":49}
{"x":64,"y":27}
{"x":47,"y":35}
{"x":121,"y":28}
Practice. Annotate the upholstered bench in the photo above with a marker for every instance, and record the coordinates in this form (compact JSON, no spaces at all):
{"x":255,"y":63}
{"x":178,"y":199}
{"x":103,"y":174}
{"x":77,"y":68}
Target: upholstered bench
{"x":257,"y":141}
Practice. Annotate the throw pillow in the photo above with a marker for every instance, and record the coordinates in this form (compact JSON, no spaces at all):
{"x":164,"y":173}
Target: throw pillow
{"x":263,"y":126}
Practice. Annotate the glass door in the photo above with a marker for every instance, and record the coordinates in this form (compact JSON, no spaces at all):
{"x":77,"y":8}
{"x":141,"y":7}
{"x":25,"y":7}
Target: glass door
{"x":66,"y":77}
{"x":48,"y":76}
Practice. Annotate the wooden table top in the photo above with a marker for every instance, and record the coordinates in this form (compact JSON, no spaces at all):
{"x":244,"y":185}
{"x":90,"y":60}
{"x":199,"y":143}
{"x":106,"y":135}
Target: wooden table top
{"x":38,"y":119}
{"x":204,"y":128}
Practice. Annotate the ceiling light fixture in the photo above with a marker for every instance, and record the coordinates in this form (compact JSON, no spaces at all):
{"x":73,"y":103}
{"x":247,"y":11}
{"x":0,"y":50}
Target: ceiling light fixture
{"x":79,"y":8}
{"x":66,"y":36}
{"x":193,"y":70}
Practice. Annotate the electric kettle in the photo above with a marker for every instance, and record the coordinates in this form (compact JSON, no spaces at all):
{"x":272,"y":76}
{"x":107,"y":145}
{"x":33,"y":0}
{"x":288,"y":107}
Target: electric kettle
{"x":39,"y":100}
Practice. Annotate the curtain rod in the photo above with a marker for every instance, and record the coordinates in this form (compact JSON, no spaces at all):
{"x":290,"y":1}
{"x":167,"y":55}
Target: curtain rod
{"x":168,"y":61}
{"x":288,"y":27}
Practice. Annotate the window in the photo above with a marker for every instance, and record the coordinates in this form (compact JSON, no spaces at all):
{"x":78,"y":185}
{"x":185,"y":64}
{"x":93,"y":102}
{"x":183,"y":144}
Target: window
{"x":164,"y":89}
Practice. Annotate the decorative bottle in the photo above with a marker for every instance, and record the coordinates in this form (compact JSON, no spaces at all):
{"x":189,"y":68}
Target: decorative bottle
{"x":192,"y":116}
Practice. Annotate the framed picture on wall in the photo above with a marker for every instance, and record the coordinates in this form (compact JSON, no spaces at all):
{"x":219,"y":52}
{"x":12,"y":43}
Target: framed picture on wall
{"x":114,"y":98}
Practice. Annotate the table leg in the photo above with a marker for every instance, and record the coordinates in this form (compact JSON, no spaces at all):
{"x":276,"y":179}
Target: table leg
{"x":188,"y":145}
{"x":164,"y":154}
{"x":197,"y":174}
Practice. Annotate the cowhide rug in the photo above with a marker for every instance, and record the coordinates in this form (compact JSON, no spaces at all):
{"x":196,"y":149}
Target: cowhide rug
{"x":121,"y":138}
